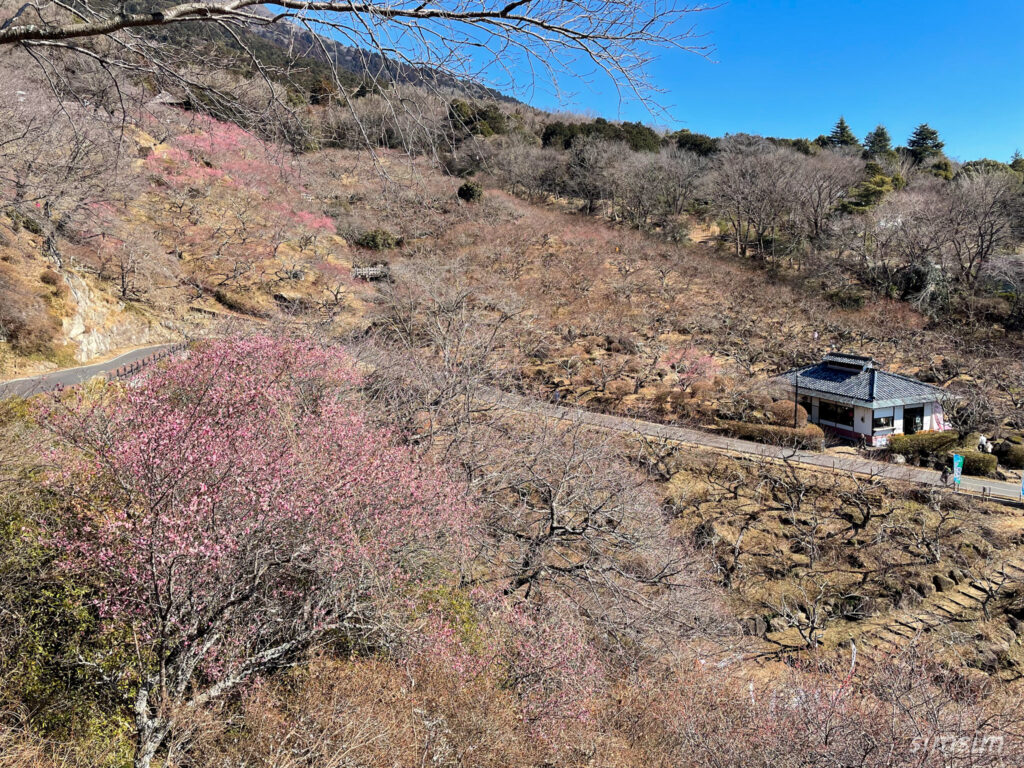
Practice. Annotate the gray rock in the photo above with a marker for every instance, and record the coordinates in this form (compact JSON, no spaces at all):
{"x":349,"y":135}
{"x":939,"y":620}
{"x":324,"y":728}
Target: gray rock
{"x":924,"y":588}
{"x":943,"y":583}
{"x":898,"y":458}
{"x":754,"y":625}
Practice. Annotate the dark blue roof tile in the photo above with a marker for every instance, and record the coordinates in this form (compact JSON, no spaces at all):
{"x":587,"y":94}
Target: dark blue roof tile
{"x":861,"y":384}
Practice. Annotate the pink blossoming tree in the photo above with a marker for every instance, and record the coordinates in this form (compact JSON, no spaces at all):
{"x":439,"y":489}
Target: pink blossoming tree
{"x":235,"y":509}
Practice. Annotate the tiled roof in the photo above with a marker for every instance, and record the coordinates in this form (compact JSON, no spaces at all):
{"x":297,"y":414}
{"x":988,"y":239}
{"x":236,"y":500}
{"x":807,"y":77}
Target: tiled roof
{"x":866,"y":386}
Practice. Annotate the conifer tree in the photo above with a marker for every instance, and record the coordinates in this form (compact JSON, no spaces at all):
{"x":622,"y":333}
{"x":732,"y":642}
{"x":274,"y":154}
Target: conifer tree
{"x":842,"y":136}
{"x":878,"y":143}
{"x":924,"y":143}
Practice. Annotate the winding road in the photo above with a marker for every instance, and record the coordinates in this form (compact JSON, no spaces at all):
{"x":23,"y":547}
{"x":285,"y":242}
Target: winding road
{"x":70,"y":377}
{"x":995,"y":489}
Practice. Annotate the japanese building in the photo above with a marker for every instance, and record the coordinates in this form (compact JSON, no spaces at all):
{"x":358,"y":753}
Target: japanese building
{"x":851,"y":397}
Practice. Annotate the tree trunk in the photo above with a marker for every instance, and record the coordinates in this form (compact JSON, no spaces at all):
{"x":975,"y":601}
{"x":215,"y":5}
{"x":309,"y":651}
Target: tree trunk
{"x":150,"y":728}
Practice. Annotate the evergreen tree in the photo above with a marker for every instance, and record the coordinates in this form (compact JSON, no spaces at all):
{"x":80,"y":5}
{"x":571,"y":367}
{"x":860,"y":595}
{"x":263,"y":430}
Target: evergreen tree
{"x":700,"y":143}
{"x":924,"y":143}
{"x":878,"y":143}
{"x":842,"y":136}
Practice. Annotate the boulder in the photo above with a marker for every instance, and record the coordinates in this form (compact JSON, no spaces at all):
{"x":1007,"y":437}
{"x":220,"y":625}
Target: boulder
{"x":943,"y":583}
{"x":754,"y":625}
{"x":924,"y":588}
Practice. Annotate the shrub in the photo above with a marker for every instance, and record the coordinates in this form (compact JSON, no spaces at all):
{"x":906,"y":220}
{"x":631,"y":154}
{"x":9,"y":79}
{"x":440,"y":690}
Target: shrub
{"x":976,"y":463}
{"x":378,"y":240}
{"x":1013,"y":456}
{"x":922,"y":444}
{"x":809,"y":436}
{"x":19,"y":220}
{"x":846,"y":298}
{"x":781,"y":412}
{"x":49,"y":277}
{"x":243,"y":303}
{"x":25,"y":320}
{"x":470,"y":192}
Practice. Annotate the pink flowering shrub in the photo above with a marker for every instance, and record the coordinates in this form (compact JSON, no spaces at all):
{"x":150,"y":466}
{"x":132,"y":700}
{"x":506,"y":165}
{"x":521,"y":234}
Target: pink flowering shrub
{"x":236,"y":508}
{"x":689,"y":364}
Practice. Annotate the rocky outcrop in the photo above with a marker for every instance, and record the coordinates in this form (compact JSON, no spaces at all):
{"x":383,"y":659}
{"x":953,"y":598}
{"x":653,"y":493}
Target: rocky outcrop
{"x":101,"y":324}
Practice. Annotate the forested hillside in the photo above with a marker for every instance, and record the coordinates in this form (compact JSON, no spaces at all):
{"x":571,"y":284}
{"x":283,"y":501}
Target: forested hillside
{"x":314,"y":538}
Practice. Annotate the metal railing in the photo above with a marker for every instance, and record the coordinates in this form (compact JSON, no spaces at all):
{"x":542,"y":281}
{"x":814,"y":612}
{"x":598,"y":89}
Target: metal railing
{"x":130,"y":369}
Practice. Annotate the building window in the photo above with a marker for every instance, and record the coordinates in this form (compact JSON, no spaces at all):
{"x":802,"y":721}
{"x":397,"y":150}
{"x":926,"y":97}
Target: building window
{"x":882,"y":422}
{"x":835,"y":413}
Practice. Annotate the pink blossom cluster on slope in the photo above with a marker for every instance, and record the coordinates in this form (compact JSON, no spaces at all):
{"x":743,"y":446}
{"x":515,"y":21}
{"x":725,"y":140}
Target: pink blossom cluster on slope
{"x":235,"y":499}
{"x":218,"y":152}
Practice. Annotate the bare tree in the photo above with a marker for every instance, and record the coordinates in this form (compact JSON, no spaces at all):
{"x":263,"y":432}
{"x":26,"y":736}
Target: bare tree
{"x":979,"y":210}
{"x":750,"y":187}
{"x":821,"y":182}
{"x":567,"y":516}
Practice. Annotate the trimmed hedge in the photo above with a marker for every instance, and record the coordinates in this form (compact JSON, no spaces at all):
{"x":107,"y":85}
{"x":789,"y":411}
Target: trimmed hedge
{"x":1014,"y":456}
{"x":923,"y":444}
{"x":809,"y":436}
{"x":976,"y":463}
{"x":781,"y":412}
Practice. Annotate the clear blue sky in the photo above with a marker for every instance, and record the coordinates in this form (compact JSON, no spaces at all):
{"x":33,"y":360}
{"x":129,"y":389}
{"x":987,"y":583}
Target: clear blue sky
{"x":791,"y":67}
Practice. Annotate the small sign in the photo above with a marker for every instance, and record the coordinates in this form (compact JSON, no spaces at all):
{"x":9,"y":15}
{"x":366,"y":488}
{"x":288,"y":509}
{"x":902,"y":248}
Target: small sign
{"x":958,"y":467}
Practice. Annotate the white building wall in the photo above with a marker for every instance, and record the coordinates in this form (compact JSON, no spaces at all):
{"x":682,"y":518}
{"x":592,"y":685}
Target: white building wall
{"x":862,"y":420}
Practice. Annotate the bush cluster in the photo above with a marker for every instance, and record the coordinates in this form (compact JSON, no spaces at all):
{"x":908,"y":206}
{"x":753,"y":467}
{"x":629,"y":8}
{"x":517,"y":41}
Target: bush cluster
{"x":976,"y":463}
{"x":781,"y":412}
{"x":470,"y":192}
{"x":810,"y":436}
{"x":1013,"y":456}
{"x":378,"y":240}
{"x":19,"y":220}
{"x":923,"y":445}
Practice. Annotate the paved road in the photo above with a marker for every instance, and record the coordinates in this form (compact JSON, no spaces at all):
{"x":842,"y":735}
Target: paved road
{"x":1011,"y":491}
{"x":858,"y":466}
{"x":69,"y":377}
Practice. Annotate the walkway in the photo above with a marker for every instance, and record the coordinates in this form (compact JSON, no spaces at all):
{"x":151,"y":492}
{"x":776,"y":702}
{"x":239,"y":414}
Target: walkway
{"x":865,"y":467}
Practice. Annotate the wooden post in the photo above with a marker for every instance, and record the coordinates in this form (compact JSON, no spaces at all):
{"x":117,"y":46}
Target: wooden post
{"x":796,"y":399}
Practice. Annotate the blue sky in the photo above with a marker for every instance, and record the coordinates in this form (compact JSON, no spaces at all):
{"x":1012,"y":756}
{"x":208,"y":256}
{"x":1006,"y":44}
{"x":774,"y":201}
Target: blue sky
{"x":790,"y":68}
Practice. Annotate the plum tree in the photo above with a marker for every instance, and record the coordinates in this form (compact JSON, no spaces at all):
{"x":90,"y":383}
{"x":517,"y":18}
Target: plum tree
{"x":233,"y":511}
